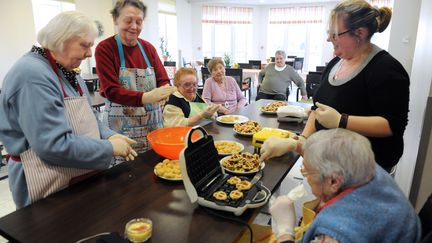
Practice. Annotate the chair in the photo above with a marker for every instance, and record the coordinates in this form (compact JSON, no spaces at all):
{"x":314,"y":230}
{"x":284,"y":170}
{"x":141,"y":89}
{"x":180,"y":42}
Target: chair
{"x":287,"y":91}
{"x":245,"y":65}
{"x":170,"y":68}
{"x":291,"y":58}
{"x":205,"y":74}
{"x":320,"y":68}
{"x":206,"y":61}
{"x":290,"y":63}
{"x":298,"y":64}
{"x":256,"y":64}
{"x":244,"y":84}
{"x":313,"y":81}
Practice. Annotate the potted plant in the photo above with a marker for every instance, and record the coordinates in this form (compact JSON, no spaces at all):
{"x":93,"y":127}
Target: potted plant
{"x":164,"y":49}
{"x":227,"y":59}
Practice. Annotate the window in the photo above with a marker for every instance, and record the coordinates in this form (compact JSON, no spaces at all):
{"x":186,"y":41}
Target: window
{"x":45,"y":10}
{"x":299,"y":31}
{"x":227,"y":31}
{"x":168,"y":29}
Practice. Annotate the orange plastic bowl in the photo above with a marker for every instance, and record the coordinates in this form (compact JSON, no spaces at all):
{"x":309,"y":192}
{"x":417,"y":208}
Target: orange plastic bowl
{"x":168,"y":142}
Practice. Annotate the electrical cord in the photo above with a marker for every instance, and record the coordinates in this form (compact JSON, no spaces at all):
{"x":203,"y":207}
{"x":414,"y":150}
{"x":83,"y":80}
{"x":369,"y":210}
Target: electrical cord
{"x":232,"y":219}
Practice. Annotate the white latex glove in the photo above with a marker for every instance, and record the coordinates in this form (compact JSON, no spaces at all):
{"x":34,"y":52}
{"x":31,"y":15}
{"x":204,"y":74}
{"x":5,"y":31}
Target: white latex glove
{"x":297,"y":192}
{"x":209,"y":111}
{"x":121,"y":146}
{"x":157,"y":94}
{"x":275,"y":147}
{"x":283,"y":214}
{"x":327,"y":116}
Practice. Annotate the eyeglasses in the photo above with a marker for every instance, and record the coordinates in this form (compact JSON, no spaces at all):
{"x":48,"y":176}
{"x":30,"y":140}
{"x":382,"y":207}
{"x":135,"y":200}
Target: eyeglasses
{"x":304,"y":172}
{"x":334,"y":35}
{"x":189,"y":85}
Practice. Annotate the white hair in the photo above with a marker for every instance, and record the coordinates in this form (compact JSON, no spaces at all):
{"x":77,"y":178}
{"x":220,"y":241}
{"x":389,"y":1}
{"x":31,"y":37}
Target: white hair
{"x":341,"y":152}
{"x":282,"y":53}
{"x":66,"y":26}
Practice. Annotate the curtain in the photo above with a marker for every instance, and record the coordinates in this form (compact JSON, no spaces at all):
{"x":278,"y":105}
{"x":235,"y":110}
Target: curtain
{"x":296,"y":15}
{"x":227,"y":15}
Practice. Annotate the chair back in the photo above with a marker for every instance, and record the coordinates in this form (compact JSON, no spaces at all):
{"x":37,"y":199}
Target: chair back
{"x":320,"y":68}
{"x":291,"y":58}
{"x":205,"y":74}
{"x":289,"y":63}
{"x":256,"y":64}
{"x":169,"y":64}
{"x":170,"y":68}
{"x":298,"y":63}
{"x":245,"y":65}
{"x":313,"y":82}
{"x":236,"y":73}
{"x":206,"y":61}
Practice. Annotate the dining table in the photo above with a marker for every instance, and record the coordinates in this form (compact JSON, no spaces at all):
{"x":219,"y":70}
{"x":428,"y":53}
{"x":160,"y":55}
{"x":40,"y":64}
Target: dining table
{"x":106,"y":201}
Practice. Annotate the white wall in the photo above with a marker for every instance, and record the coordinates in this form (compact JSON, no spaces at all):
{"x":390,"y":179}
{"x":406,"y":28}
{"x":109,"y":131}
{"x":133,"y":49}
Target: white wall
{"x":196,"y":42}
{"x":150,"y":30}
{"x":184,"y":29}
{"x":421,"y":79}
{"x":97,"y":10}
{"x":18,"y":32}
{"x":405,"y":24}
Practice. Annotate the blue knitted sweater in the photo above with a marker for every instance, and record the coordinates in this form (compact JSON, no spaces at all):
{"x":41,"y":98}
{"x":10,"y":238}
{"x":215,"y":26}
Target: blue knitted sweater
{"x":375,"y":212}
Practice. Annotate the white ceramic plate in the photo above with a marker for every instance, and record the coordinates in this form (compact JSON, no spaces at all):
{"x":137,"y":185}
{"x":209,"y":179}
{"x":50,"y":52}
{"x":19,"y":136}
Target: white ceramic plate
{"x":239,"y":119}
{"x":244,"y":134}
{"x":166,"y":178}
{"x":228,"y":141}
{"x":267,"y":112}
{"x":262,"y":165}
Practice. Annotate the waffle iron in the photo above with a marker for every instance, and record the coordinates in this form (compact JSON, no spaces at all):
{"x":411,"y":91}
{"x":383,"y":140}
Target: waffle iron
{"x":202,"y":176}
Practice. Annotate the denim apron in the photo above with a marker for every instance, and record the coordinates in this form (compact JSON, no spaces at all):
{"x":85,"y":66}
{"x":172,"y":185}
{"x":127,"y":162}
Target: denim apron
{"x":134,"y":122}
{"x":44,"y":179}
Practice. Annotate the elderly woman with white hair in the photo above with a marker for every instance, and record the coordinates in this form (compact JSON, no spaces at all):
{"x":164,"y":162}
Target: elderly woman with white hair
{"x":276,"y":77}
{"x":46,"y":121}
{"x":357,"y":201}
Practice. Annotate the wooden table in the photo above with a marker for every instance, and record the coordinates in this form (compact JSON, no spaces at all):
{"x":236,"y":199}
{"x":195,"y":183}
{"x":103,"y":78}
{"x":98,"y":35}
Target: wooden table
{"x":107,"y":201}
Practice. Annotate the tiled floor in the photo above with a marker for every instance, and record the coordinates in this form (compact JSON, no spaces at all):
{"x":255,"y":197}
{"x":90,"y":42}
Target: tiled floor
{"x":6,"y":203}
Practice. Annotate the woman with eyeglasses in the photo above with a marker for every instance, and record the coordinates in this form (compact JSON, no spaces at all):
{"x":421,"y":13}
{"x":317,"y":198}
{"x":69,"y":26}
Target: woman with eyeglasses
{"x":364,"y":88}
{"x":356,"y":200}
{"x":185,"y":107}
{"x":221,"y":89}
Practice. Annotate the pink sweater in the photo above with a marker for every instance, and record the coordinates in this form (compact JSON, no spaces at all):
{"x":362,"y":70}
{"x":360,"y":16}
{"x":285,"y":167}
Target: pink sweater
{"x":213,"y":93}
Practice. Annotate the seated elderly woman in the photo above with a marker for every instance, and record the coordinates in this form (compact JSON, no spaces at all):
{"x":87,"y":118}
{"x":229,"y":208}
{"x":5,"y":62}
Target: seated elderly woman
{"x":357,"y":201}
{"x":185,"y":107}
{"x":276,"y":77}
{"x":223,"y":90}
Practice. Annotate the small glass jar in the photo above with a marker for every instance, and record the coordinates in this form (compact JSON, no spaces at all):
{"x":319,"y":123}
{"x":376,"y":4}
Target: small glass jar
{"x":139,"y":230}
